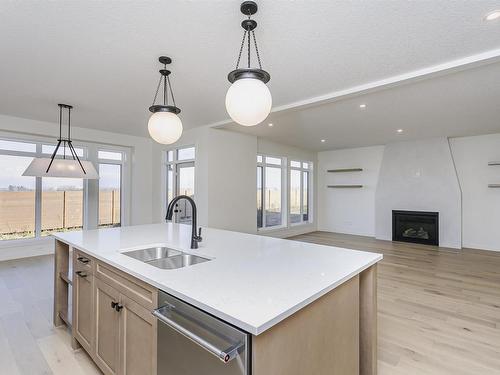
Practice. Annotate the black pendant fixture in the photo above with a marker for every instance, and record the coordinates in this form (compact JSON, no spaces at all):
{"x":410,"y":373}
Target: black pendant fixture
{"x":164,"y":125}
{"x":70,"y":165}
{"x":248,"y":100}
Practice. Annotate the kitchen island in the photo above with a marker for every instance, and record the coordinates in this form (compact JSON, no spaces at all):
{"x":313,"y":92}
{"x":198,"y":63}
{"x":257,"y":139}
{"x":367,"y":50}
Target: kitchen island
{"x":309,"y":309}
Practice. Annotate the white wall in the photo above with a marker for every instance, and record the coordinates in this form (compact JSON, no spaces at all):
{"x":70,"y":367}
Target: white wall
{"x":480,"y":204}
{"x":225,"y":187}
{"x":232,"y":181}
{"x":225,"y":178}
{"x":419,"y":176}
{"x":349,"y":211}
{"x":141,"y":170}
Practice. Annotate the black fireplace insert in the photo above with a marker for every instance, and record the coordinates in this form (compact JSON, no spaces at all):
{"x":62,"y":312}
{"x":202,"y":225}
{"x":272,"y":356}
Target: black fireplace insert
{"x":416,"y":226}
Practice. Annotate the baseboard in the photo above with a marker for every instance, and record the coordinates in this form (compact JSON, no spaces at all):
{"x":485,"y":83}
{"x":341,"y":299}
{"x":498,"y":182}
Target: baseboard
{"x":42,"y":246}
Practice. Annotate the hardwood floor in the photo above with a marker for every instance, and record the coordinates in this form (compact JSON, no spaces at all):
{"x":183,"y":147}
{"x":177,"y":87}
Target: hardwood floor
{"x":439,"y":312}
{"x":439,"y":309}
{"x":29,"y":344}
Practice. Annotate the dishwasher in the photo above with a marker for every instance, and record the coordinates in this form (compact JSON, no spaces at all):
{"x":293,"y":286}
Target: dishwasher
{"x":193,"y":342}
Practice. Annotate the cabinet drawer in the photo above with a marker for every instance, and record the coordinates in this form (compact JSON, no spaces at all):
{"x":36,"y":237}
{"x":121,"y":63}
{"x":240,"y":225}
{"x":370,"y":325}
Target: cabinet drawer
{"x":133,"y":288}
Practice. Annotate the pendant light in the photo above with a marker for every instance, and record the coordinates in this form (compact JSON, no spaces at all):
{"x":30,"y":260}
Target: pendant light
{"x":248,"y":100}
{"x":72,"y":167}
{"x":164,"y":125}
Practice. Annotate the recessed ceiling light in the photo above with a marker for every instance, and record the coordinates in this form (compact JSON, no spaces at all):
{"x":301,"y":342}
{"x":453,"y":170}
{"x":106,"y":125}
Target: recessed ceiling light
{"x":362,"y":106}
{"x":400,"y":130}
{"x":270,"y":124}
{"x":492,"y":15}
{"x":323,"y":140}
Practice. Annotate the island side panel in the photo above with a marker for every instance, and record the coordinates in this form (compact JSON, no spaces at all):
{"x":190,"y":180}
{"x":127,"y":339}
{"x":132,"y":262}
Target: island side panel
{"x":368,"y":321}
{"x":320,"y":339}
{"x":61,"y":259}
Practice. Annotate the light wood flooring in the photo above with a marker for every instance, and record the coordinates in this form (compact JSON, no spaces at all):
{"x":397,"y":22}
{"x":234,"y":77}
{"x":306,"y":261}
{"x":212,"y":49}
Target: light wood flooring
{"x":29,"y":344}
{"x":439,"y":312}
{"x":439,"y":309}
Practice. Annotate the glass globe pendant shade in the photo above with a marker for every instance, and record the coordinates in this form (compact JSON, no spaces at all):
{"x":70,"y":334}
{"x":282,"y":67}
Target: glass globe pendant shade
{"x":165,"y":127}
{"x":248,"y":101}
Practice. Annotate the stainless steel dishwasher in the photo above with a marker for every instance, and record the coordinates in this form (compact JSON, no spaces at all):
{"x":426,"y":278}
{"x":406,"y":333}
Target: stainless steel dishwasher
{"x":192,"y":342}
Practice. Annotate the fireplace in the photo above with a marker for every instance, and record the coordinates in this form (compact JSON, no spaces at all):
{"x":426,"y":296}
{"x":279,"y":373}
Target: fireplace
{"x":416,"y":226}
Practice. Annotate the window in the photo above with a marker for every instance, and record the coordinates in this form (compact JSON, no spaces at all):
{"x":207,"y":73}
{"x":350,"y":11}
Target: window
{"x":269,"y":192}
{"x":299,"y":192}
{"x":110,"y":188}
{"x":62,"y":204}
{"x":17,"y":198}
{"x":274,"y":201}
{"x":36,"y":207}
{"x":180,"y":175}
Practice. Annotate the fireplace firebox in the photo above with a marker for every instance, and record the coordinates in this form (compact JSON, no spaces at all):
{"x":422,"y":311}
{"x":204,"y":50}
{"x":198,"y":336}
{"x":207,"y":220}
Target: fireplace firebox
{"x":416,"y":226}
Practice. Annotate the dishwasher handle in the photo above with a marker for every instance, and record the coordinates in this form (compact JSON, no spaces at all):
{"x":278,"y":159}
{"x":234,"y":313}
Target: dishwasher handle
{"x":225,"y":355}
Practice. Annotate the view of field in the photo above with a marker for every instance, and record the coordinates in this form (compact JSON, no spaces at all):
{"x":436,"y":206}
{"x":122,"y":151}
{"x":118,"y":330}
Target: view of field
{"x":61,"y":210}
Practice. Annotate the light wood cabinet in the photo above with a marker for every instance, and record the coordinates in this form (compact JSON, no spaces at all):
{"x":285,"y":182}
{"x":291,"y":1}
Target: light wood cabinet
{"x":138,"y":339}
{"x":83,"y":285}
{"x":112,"y":317}
{"x":107,"y":328}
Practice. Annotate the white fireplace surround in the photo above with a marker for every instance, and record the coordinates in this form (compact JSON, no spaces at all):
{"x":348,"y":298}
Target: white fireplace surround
{"x":419,"y":176}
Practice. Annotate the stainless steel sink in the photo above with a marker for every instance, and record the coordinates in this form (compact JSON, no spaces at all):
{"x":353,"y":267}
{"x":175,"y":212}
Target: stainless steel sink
{"x":166,"y":258}
{"x":178,"y":261}
{"x":152,"y":253}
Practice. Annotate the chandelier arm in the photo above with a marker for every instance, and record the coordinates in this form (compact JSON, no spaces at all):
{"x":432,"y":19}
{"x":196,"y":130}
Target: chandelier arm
{"x":75,"y":155}
{"x":165,"y":92}
{"x":69,"y":123}
{"x":256,"y":49}
{"x":53,"y":155}
{"x":241,"y":49}
{"x":60,"y":122}
{"x":157,"y":90}
{"x":171,"y":92}
{"x":248,"y":35}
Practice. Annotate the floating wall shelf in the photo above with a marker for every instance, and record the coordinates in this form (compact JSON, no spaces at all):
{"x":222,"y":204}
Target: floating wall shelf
{"x":494,"y":163}
{"x":345,"y":186}
{"x":345,"y":170}
{"x":494,"y":185}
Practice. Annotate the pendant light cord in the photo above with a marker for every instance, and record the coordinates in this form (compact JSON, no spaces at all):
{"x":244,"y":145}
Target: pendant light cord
{"x":247,"y":36}
{"x":241,"y":49}
{"x":167,"y":78}
{"x":157,"y":90}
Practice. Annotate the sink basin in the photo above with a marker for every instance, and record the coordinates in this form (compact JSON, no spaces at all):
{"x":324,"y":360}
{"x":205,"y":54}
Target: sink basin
{"x":178,"y":261}
{"x":152,"y":253}
{"x":165,"y":258}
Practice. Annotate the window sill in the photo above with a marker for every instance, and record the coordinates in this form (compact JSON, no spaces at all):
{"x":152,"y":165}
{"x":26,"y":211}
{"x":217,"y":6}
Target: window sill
{"x":25,"y":242}
{"x":270,"y":229}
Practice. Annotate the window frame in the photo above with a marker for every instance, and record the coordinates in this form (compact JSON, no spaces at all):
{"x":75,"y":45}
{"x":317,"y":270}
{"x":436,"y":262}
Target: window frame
{"x":174,"y":163}
{"x":303,"y":170}
{"x":90,"y":189}
{"x":284,"y":190}
{"x":124,"y":176}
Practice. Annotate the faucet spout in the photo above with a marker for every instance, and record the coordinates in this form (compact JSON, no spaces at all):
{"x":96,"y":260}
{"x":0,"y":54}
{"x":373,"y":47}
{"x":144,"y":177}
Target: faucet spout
{"x":195,"y":237}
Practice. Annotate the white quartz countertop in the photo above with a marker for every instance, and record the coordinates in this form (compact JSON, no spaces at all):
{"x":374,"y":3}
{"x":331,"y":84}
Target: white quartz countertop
{"x":252,"y":282}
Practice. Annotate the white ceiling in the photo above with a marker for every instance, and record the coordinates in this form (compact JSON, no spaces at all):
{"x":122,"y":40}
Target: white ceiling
{"x":458,"y":104}
{"x":101,"y":56}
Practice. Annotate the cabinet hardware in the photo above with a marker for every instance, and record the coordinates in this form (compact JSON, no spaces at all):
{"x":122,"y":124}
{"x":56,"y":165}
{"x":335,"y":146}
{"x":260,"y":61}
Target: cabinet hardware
{"x":83,"y":260}
{"x":116,"y":306}
{"x":81,"y":273}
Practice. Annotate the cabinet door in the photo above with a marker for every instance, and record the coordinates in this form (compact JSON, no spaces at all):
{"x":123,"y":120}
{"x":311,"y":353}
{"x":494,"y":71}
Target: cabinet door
{"x":107,"y":328}
{"x":83,"y":313}
{"x":138,"y":339}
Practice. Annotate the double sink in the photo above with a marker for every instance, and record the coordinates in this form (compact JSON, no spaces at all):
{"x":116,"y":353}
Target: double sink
{"x":165,"y":258}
